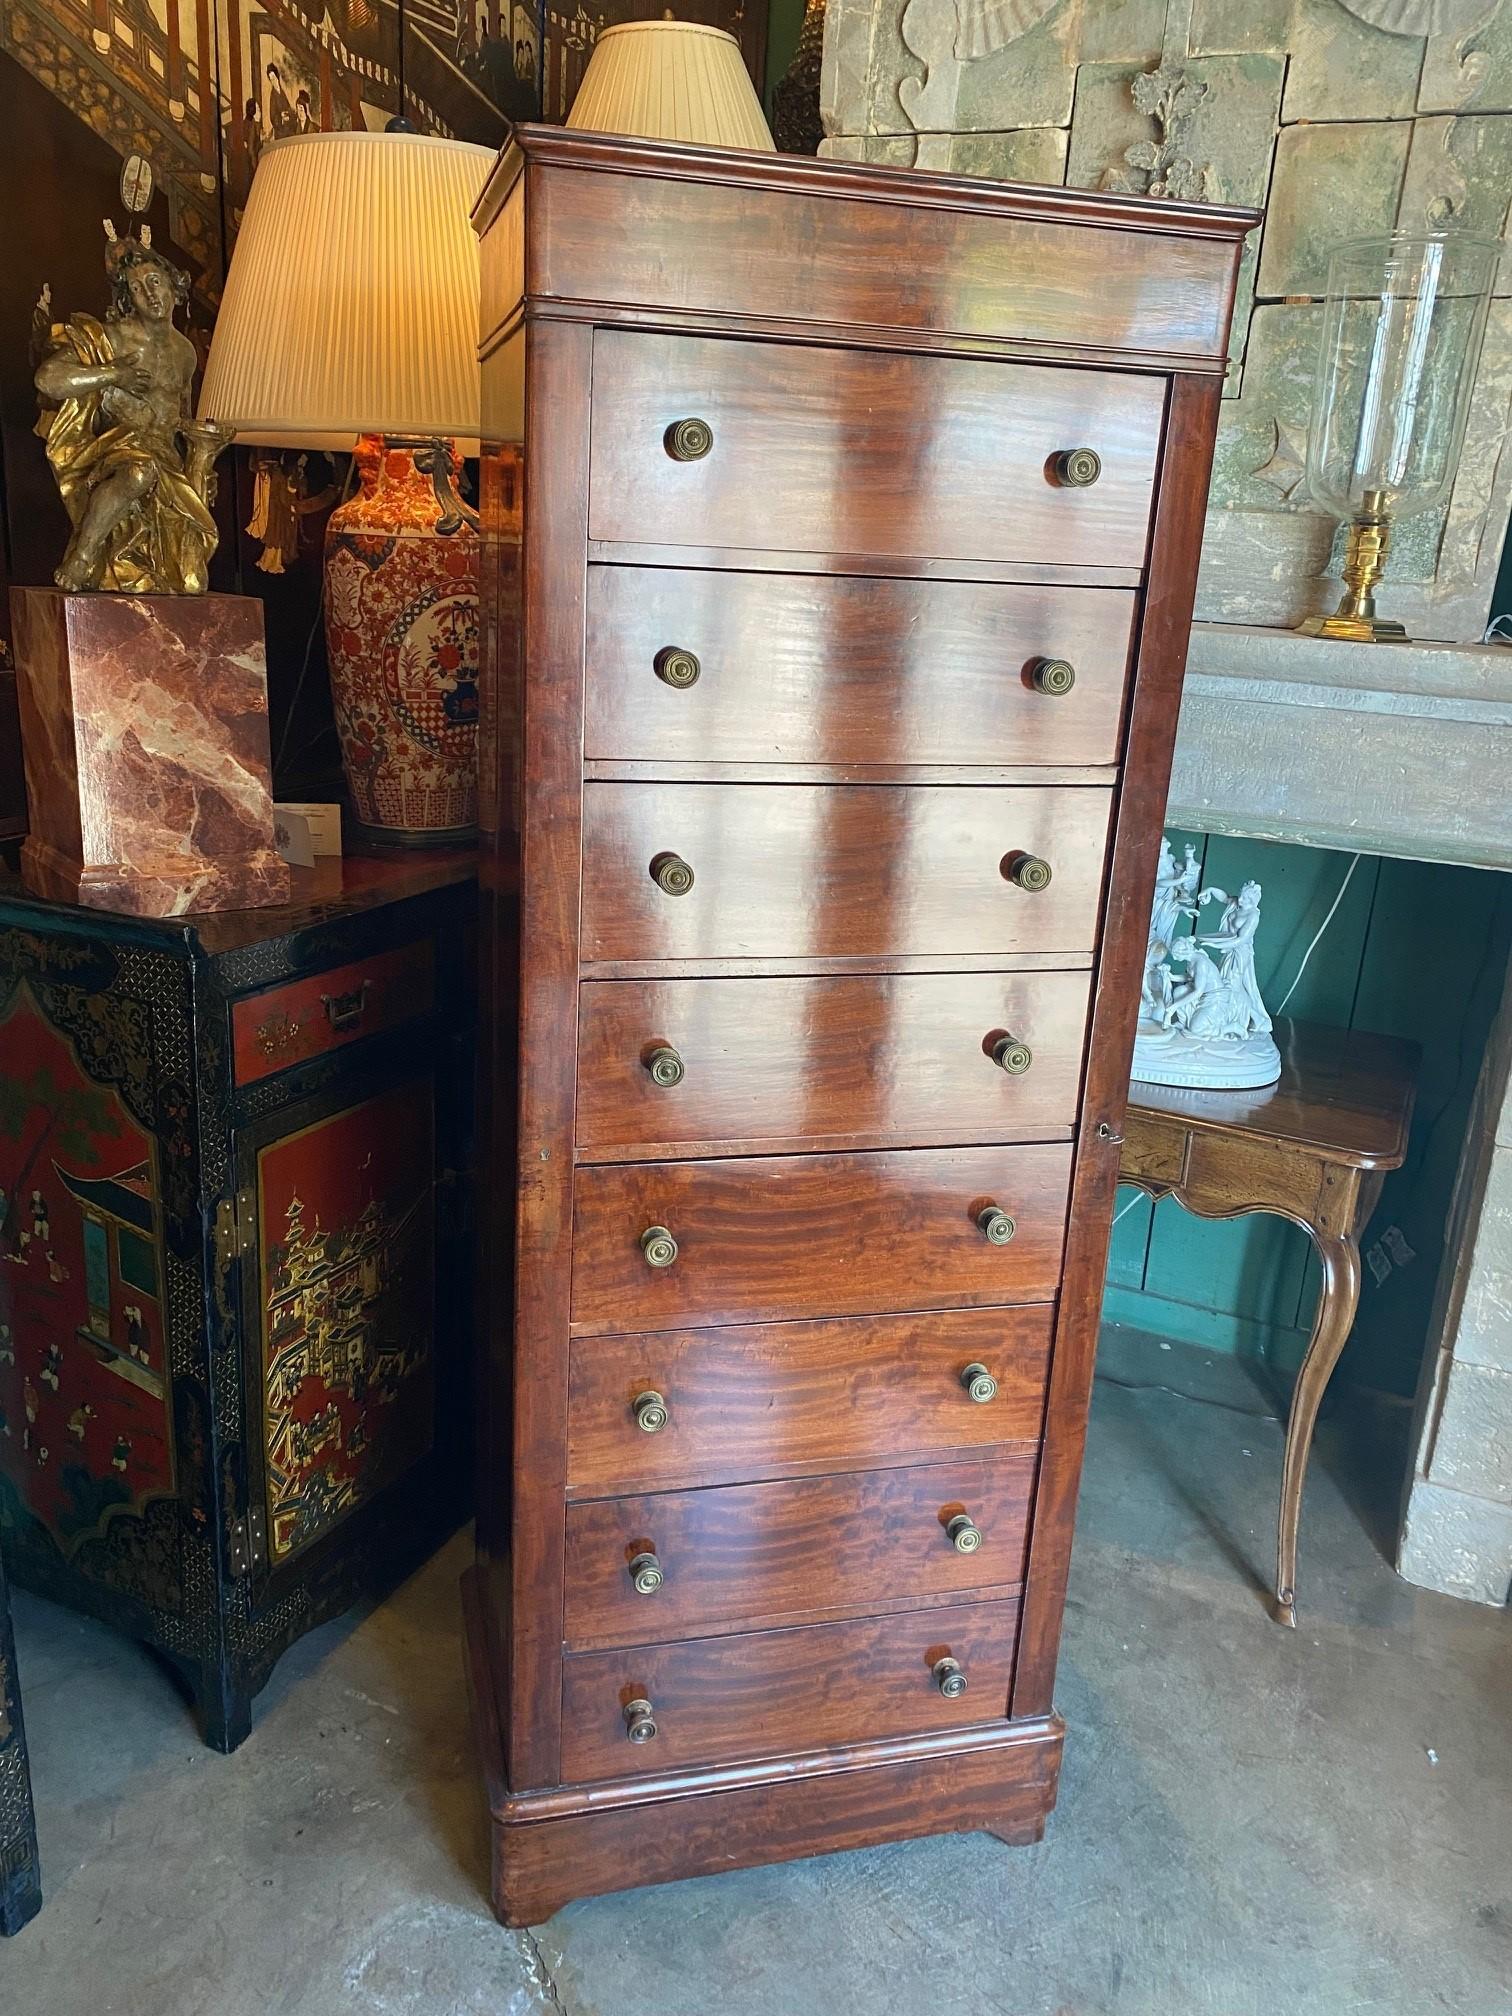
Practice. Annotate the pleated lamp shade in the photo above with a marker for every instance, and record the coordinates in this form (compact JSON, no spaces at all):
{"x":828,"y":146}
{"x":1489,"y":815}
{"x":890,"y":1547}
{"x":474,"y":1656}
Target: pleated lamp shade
{"x":671,"y":80}
{"x":351,"y":306}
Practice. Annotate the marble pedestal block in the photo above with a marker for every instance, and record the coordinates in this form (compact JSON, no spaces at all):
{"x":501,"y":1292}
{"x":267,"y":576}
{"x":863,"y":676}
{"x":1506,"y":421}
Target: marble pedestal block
{"x":144,"y":724}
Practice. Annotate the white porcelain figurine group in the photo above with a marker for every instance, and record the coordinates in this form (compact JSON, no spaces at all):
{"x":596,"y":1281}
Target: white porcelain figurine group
{"x":1201,"y":1019}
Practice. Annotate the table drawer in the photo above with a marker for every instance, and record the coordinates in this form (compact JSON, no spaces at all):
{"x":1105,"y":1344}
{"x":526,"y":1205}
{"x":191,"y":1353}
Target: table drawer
{"x":762,"y":1239}
{"x":867,"y":452}
{"x":841,"y":669}
{"x":307,"y":1018}
{"x":780,"y":1399}
{"x":804,"y":1061}
{"x":807,"y":871}
{"x":751,"y":1554}
{"x":769,"y":1693}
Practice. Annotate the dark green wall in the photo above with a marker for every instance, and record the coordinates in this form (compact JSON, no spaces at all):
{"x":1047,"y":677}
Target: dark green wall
{"x":1414,"y":950}
{"x":784,"y":20}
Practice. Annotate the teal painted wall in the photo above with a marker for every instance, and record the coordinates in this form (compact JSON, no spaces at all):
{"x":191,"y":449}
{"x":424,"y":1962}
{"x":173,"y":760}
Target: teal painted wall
{"x":1413,"y":950}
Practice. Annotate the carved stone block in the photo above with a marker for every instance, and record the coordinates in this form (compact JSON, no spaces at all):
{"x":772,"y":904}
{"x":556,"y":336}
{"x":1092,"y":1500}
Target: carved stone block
{"x":144,"y":724}
{"x":1232,"y":27}
{"x":1124,"y":31}
{"x":1459,"y":177}
{"x":1023,"y":76}
{"x":1343,"y":67}
{"x":1470,"y":67}
{"x":1330,"y":182}
{"x":1227,"y":138}
{"x":1034,"y":154}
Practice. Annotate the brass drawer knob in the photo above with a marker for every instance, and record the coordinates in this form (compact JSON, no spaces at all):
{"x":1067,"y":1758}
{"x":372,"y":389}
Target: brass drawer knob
{"x":665,"y":1066}
{"x":1014,"y":1057}
{"x":650,"y":1411}
{"x":949,"y":1676}
{"x":658,"y":1245}
{"x":964,"y":1534}
{"x":676,"y":667}
{"x":997,"y":1228}
{"x":1028,"y":872}
{"x":1049,"y":675}
{"x":691,"y":440}
{"x":640,"y":1721}
{"x":979,"y":1383}
{"x":674,"y":877}
{"x":1076,"y":467}
{"x":646,"y":1573}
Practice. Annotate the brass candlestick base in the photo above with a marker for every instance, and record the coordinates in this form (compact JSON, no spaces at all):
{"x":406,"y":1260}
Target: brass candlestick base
{"x":1364,"y":564}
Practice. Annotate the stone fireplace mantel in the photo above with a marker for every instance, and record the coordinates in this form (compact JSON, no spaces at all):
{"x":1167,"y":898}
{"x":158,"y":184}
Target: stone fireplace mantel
{"x":1397,"y":749}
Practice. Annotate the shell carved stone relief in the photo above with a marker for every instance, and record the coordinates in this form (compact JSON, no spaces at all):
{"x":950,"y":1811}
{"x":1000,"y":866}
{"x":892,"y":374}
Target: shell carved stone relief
{"x":944,"y":34}
{"x":1421,"y":17}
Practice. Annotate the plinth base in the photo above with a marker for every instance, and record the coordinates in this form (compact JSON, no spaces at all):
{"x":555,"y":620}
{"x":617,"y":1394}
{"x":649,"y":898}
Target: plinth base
{"x":1204,"y":1063}
{"x":550,"y":1847}
{"x":144,"y":726}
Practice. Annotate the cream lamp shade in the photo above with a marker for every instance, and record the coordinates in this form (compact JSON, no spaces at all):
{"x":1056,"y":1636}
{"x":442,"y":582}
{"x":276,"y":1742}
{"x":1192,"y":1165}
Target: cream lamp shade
{"x":671,"y":80}
{"x":351,"y":306}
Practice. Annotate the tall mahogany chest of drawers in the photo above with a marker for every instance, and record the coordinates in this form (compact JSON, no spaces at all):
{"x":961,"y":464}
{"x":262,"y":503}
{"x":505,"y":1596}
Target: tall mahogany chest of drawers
{"x":835,"y":648}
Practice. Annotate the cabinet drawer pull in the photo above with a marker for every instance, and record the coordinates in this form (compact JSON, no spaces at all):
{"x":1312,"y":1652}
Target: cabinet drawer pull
{"x":997,"y":1228}
{"x":674,"y":877}
{"x":640,"y":1720}
{"x":646,"y":1572}
{"x":665,"y":1066}
{"x":1028,"y":872}
{"x":949,"y":1676}
{"x":659,"y":1247}
{"x":344,"y":1012}
{"x":979,"y":1383}
{"x":650,"y":1411}
{"x":691,"y":440}
{"x":1014,"y":1057}
{"x":676,"y":667}
{"x":1075,"y":468}
{"x":964,"y":1534}
{"x":1052,"y":675}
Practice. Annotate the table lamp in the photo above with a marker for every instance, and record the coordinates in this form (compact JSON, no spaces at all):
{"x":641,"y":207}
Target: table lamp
{"x":1401,"y":336}
{"x":671,"y":80}
{"x":350,"y":321}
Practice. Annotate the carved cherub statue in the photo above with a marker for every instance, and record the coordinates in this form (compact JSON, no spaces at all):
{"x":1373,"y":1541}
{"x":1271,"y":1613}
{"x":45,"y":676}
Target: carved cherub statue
{"x":134,"y":468}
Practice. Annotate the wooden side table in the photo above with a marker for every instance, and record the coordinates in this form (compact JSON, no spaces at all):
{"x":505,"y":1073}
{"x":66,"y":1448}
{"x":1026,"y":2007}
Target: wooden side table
{"x":1314,"y":1148}
{"x":20,"y":1877}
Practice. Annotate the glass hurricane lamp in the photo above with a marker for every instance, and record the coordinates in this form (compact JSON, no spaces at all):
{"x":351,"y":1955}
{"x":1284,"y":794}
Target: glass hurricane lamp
{"x":1401,"y":338}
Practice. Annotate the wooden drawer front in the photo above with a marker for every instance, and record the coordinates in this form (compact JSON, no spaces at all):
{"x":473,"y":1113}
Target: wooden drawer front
{"x":780,"y":1399}
{"x":769,"y":1693}
{"x":760,"y":1239}
{"x":840,"y":669}
{"x":805,"y":1061}
{"x":833,"y":871}
{"x":291,"y":1024}
{"x":757,"y":1553}
{"x":869,"y":452}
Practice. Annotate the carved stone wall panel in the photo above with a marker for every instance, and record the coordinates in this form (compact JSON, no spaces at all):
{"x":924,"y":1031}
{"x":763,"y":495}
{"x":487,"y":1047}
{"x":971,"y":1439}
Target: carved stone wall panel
{"x":1330,"y":181}
{"x":1227,"y":138}
{"x":1236,"y":27}
{"x":1033,"y":154}
{"x":1471,"y":68}
{"x":1027,"y":79}
{"x":1459,"y":177}
{"x":1342,"y":67}
{"x":1124,"y":31}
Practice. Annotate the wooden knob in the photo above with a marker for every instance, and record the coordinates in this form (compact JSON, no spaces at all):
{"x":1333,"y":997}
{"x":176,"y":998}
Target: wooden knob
{"x":645,"y":1573}
{"x":949,"y":1676}
{"x":676,"y":667}
{"x":691,"y":440}
{"x":1052,"y":675}
{"x":658,"y":1245}
{"x":979,"y":1383}
{"x":640,"y":1721}
{"x":1075,"y":468}
{"x":650,"y":1411}
{"x":674,"y":877}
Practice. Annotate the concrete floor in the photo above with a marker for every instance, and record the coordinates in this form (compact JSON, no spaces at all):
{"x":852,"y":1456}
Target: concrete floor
{"x":1251,"y":1820}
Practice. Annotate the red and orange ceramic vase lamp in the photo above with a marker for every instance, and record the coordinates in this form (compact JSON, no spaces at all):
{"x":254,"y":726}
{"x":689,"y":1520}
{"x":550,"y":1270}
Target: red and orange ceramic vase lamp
{"x":350,"y":321}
